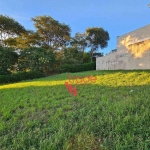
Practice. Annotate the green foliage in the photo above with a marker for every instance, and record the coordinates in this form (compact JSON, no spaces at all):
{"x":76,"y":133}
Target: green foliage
{"x":9,"y":28}
{"x":37,"y":59}
{"x":86,"y":57}
{"x":77,"y":68}
{"x":79,"y":41}
{"x":20,"y":76}
{"x":97,"y":38}
{"x":95,"y":55}
{"x":53,"y":34}
{"x":72,"y":56}
{"x":24,"y":40}
{"x":45,"y":50}
{"x":113,"y":50}
{"x":8,"y":58}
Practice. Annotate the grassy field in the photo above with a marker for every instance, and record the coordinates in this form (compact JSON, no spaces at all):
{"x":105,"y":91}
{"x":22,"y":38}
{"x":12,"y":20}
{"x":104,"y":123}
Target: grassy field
{"x":111,"y":114}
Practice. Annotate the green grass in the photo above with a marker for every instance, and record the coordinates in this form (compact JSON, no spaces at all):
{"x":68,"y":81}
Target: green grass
{"x":112,"y":114}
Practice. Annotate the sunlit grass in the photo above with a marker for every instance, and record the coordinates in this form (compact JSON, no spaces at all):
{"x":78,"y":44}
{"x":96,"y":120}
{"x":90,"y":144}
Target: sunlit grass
{"x":33,"y":83}
{"x":113,"y":113}
{"x":113,"y":80}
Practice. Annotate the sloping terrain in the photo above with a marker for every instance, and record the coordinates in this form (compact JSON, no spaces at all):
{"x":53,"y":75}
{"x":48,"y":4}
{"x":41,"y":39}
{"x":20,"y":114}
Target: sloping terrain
{"x":113,"y":113}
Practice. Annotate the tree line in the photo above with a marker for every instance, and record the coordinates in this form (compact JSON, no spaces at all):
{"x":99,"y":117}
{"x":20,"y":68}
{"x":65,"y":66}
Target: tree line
{"x":48,"y":47}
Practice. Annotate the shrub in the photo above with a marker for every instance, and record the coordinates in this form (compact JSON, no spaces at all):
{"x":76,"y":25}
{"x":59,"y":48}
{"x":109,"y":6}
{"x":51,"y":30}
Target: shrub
{"x":77,"y":68}
{"x":11,"y":78}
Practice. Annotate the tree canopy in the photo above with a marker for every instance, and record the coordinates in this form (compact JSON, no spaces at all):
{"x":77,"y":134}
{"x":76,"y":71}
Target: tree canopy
{"x":96,"y":38}
{"x":48,"y":47}
{"x":79,"y":41}
{"x":9,"y":28}
{"x":53,"y":34}
{"x":24,"y":40}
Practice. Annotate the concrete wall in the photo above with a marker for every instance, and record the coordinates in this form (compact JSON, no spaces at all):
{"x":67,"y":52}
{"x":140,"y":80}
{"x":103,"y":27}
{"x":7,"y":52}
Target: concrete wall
{"x":133,"y":52}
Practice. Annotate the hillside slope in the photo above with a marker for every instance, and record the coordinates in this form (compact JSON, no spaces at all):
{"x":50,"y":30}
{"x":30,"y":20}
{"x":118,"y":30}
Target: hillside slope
{"x":113,"y":113}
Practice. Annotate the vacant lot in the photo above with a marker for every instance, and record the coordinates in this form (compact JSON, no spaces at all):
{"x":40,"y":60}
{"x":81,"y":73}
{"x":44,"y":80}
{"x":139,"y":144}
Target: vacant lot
{"x":113,"y":113}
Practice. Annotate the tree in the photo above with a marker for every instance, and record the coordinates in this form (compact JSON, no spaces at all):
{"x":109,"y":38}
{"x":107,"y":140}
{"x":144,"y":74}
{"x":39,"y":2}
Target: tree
{"x":8,"y":59}
{"x":113,"y":50}
{"x":95,"y":55}
{"x":86,"y":57}
{"x":96,"y":38}
{"x":37,"y":59}
{"x":53,"y":34}
{"x":79,"y":41}
{"x":9,"y":28}
{"x":72,"y":56}
{"x":24,"y":40}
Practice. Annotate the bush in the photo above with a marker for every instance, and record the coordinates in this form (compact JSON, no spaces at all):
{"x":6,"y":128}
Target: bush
{"x":77,"y":68}
{"x":19,"y":77}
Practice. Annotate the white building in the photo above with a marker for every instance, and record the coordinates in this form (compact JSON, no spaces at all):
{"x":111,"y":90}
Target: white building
{"x":133,"y":52}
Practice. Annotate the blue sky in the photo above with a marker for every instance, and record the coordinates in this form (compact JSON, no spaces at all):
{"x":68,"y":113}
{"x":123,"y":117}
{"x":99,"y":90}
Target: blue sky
{"x":116,"y":16}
